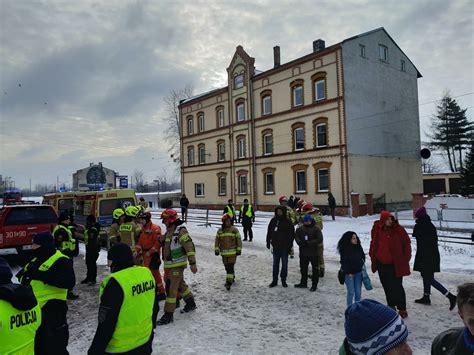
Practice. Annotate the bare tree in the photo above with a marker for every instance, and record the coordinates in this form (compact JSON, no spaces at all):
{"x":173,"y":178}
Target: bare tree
{"x":139,"y":177}
{"x":173,"y":129}
{"x":430,"y":166}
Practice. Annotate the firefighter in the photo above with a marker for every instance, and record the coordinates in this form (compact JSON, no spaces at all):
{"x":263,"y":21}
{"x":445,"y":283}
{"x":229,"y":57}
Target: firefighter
{"x":148,"y":247}
{"x":129,"y":229}
{"x":91,"y":240}
{"x":20,"y":314}
{"x":246,"y":217}
{"x":128,"y":307}
{"x":66,"y":244}
{"x":51,"y":275}
{"x":178,"y":250}
{"x":230,"y":210}
{"x":229,"y":245}
{"x":283,"y":201}
{"x":308,"y":209}
{"x":114,"y":234}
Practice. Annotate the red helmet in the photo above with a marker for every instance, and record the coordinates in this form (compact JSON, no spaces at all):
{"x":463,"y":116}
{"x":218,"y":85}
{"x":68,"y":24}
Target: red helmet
{"x":282,"y":199}
{"x":300,"y":203}
{"x":170,"y":215}
{"x":225,"y":217}
{"x":307,"y":206}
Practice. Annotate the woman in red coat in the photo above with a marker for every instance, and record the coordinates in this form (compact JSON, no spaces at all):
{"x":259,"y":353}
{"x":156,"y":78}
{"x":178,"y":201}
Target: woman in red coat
{"x":390,"y":252}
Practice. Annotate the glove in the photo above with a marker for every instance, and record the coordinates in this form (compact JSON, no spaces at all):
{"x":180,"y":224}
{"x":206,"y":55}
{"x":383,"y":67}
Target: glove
{"x":216,"y":252}
{"x":239,"y":252}
{"x":155,"y":261}
{"x":268,"y":246}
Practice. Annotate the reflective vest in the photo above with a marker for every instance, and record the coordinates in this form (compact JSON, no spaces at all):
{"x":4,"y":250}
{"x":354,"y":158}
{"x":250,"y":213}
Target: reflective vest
{"x":43,"y":291}
{"x":18,"y":329}
{"x":178,"y":254}
{"x":127,"y":233}
{"x":230,"y":211}
{"x":134,"y":322}
{"x":65,"y":245}
{"x":249,"y":211}
{"x":86,"y":234}
{"x":228,"y":239}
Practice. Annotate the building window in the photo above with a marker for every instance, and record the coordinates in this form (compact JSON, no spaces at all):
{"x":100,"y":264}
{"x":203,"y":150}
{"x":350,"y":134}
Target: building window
{"x":298,"y":95}
{"x":240,"y":108}
{"x":242,"y":184}
{"x":402,"y":65}
{"x":222,"y":185}
{"x":383,"y":53}
{"x":321,"y":135}
{"x":241,"y":148}
{"x":190,"y":125}
{"x":202,"y":154}
{"x":269,"y":184}
{"x":320,"y":89}
{"x":323,"y":180}
{"x":298,"y":138}
{"x":300,"y":177}
{"x":238,"y":81}
{"x":268,"y":144}
{"x":362,"y":50}
{"x":201,"y":122}
{"x":267,"y":105}
{"x":221,"y":151}
{"x":190,"y":156}
{"x":199,"y":190}
{"x":220,"y":118}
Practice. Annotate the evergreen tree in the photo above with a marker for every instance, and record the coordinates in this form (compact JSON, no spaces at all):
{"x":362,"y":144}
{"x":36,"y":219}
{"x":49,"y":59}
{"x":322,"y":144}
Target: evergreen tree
{"x":452,"y":132}
{"x":467,"y":174}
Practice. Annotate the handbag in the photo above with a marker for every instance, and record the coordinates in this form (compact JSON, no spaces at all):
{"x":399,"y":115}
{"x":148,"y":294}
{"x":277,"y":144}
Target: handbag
{"x":341,"y":277}
{"x":366,"y":279}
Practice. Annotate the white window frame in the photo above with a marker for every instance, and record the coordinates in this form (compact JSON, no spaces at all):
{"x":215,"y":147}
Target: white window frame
{"x":267,"y":98}
{"x":362,"y":50}
{"x":265,"y":152}
{"x":403,"y":66}
{"x":221,"y":150}
{"x":267,"y":191}
{"x":297,"y":180}
{"x":196,"y":189}
{"x":240,"y":112}
{"x":241,"y":153}
{"x":191,"y":156}
{"x":319,"y":180}
{"x":318,"y":145}
{"x":201,"y":123}
{"x":221,"y":118}
{"x":242,"y":185}
{"x":383,"y":53}
{"x":317,"y":98}
{"x":295,"y":89}
{"x":190,"y":126}
{"x":296,"y":141}
{"x":202,"y":155}
{"x":219,"y":187}
{"x":239,"y":81}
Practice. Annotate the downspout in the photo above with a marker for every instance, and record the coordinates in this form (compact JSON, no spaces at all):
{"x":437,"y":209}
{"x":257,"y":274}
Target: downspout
{"x":254,"y":146}
{"x":181,"y":156}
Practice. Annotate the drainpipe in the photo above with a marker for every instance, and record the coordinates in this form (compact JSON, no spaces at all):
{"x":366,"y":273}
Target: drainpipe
{"x":254,"y":145}
{"x":181,"y":156}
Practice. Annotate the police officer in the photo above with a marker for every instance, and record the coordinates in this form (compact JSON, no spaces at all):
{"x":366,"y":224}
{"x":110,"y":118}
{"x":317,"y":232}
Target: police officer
{"x":247,"y":217}
{"x":128,"y":307}
{"x":50,"y":274}
{"x":65,"y":243}
{"x":230,"y":210}
{"x":20,"y":314}
{"x":91,"y":240}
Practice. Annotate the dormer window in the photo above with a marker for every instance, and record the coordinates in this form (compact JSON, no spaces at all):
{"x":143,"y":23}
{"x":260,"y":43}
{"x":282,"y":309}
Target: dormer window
{"x":239,"y":81}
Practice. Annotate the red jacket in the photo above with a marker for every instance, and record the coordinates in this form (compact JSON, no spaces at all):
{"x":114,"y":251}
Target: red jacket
{"x":393,"y":240}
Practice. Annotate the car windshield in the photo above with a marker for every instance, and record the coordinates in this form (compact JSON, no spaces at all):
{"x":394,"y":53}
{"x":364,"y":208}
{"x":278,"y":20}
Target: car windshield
{"x":31,"y":215}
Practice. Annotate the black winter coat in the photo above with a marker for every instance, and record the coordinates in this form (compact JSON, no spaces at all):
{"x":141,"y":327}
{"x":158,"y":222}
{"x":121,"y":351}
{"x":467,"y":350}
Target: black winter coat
{"x":184,"y":202}
{"x":427,"y":258}
{"x":308,"y":246}
{"x":352,"y":259}
{"x":280,"y":232}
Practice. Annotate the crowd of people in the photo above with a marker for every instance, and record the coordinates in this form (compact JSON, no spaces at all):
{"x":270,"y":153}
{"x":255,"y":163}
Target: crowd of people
{"x":34,"y":312}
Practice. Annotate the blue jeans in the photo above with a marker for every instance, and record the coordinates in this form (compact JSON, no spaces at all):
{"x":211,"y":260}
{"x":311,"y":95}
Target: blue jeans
{"x":354,"y":287}
{"x":277,"y":255}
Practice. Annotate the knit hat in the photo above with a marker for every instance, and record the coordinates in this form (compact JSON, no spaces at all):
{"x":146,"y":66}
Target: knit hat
{"x":44,"y":239}
{"x":373,"y":328}
{"x":384,"y":215}
{"x":5,"y":272}
{"x":420,"y":212}
{"x":307,"y":218}
{"x":121,"y":256}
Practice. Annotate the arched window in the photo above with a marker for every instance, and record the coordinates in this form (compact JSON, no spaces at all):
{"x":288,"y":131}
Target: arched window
{"x":267,"y":142}
{"x":190,"y":156}
{"x":240,"y":110}
{"x":222,"y":184}
{"x":322,"y":177}
{"x":266,"y":102}
{"x":268,"y":181}
{"x":298,"y":136}
{"x":242,"y":182}
{"x":320,"y":132}
{"x":319,"y":86}
{"x":190,"y":124}
{"x":241,"y":147}
{"x":300,"y":178}
{"x":220,"y":150}
{"x":200,"y":117}
{"x":297,"y":93}
{"x":220,"y":118}
{"x":202,"y":153}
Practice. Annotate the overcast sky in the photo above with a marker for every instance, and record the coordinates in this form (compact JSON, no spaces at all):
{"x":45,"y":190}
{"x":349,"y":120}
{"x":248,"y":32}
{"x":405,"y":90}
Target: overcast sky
{"x":84,"y":81}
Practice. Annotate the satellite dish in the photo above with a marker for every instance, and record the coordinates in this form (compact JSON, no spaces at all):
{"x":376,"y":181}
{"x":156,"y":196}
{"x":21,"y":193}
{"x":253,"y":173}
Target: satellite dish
{"x":425,"y":153}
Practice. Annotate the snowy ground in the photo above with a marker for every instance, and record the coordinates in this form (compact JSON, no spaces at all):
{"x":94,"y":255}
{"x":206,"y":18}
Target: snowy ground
{"x":252,"y":318}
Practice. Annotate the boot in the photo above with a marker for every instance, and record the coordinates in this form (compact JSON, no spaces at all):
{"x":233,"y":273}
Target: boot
{"x":321,"y":272}
{"x":162,"y":297}
{"x":424,"y":300}
{"x":227,"y":285}
{"x":283,"y":283}
{"x":302,"y":284}
{"x":452,"y":300}
{"x":189,"y":306}
{"x":166,"y":319}
{"x":313,"y":288}
{"x":273,"y":284}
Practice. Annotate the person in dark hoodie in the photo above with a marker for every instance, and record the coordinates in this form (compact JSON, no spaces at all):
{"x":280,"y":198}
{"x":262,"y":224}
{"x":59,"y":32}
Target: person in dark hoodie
{"x":308,"y":237}
{"x":128,"y":307}
{"x":280,"y":235}
{"x":20,"y":314}
{"x":91,"y":240}
{"x":427,"y":258}
{"x":50,"y":274}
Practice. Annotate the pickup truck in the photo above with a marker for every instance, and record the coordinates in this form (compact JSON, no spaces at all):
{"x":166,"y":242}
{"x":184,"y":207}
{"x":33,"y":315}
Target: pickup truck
{"x":18,"y":225}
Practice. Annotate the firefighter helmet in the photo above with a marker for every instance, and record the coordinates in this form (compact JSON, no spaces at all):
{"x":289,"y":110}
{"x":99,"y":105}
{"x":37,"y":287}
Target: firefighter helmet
{"x":170,"y":215}
{"x":118,"y":212}
{"x":132,"y":211}
{"x":282,"y":199}
{"x":225,"y":217}
{"x":307,"y":206}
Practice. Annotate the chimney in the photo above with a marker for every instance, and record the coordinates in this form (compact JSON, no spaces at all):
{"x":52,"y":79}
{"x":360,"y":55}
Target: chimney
{"x":318,"y":45}
{"x":276,"y":56}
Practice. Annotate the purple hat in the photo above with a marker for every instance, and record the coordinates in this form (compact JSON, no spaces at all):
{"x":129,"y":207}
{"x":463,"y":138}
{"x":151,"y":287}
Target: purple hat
{"x":420,"y":212}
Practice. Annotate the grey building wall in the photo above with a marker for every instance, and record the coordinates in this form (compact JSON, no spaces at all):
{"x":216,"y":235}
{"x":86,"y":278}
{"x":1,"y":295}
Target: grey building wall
{"x":81,"y":181}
